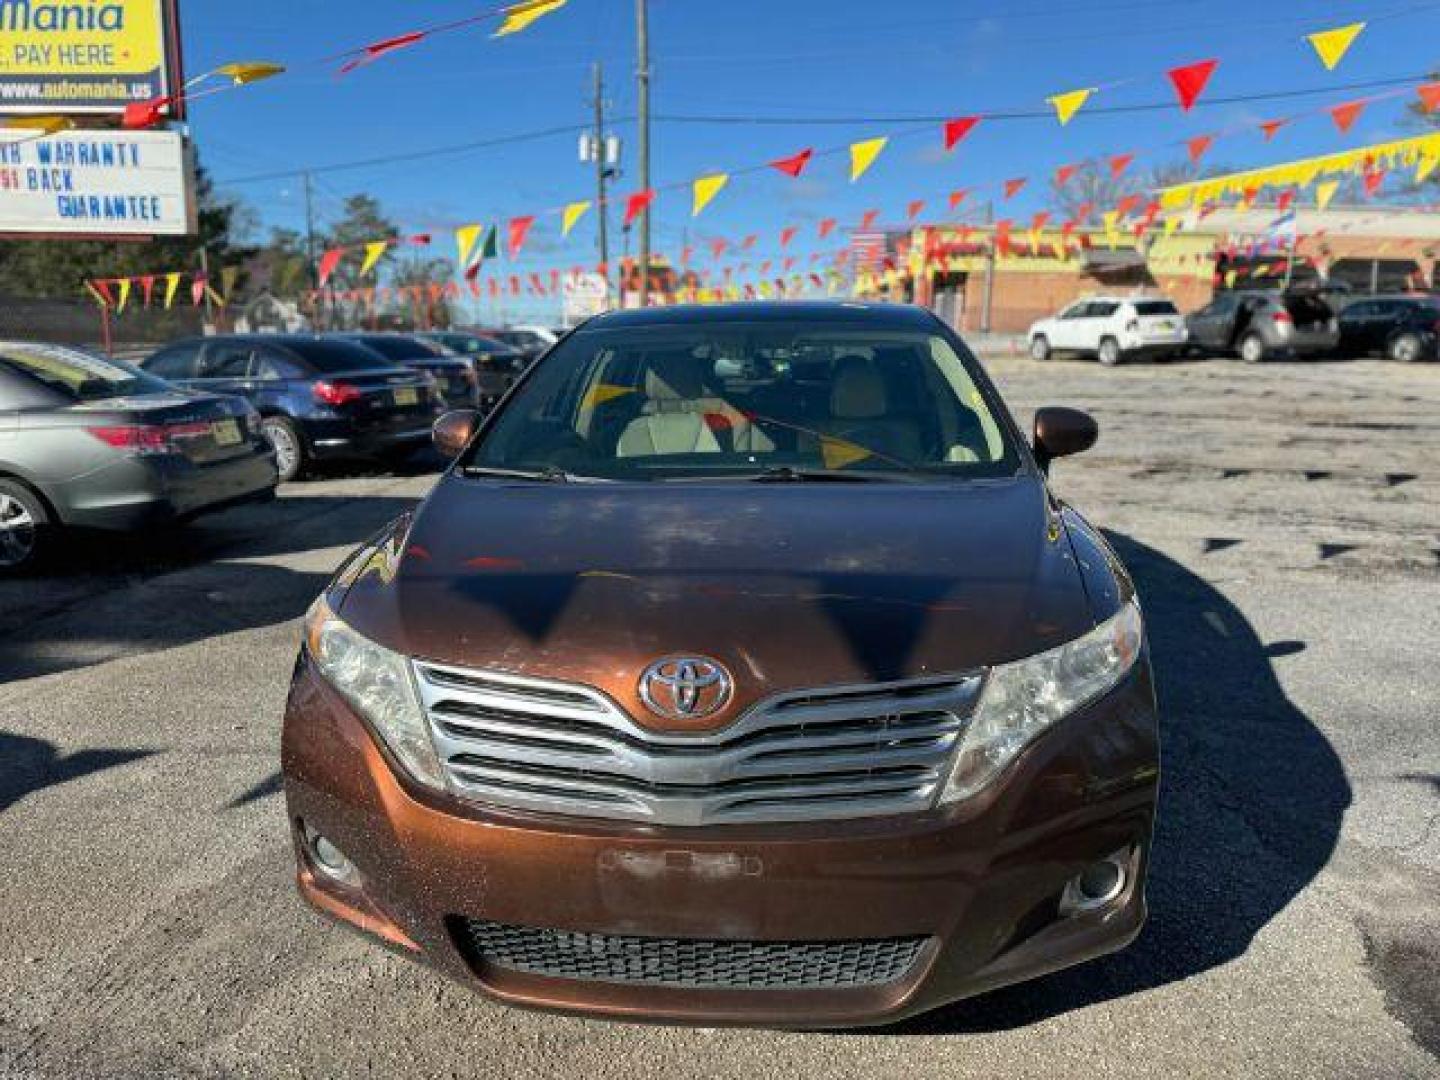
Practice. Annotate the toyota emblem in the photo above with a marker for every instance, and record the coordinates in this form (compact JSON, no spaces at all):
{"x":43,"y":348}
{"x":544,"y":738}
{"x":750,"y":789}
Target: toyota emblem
{"x":685,"y":687}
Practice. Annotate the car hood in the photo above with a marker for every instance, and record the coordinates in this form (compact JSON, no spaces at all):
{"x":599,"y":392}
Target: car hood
{"x":789,"y":585}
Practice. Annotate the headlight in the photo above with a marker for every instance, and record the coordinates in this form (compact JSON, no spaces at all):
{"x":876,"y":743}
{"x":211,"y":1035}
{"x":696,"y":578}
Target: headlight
{"x":378,"y":683}
{"x":1022,"y":700}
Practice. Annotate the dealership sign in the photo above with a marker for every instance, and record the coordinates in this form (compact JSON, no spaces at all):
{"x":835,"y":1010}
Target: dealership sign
{"x":85,"y":56}
{"x":111,"y":183}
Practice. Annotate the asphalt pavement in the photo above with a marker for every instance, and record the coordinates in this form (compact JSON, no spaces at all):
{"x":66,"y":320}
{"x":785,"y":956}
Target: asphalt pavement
{"x":1283,"y":522}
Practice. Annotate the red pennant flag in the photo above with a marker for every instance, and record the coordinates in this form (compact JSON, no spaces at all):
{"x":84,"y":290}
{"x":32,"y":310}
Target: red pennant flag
{"x":958,"y":128}
{"x":519,"y":229}
{"x":1012,"y":187}
{"x":1270,"y":127}
{"x":1119,"y":163}
{"x":472,"y":272}
{"x":514,"y":285}
{"x":749,"y":242}
{"x":103,"y":288}
{"x":957,"y":197}
{"x":1283,"y":202}
{"x":1064,"y":173}
{"x":1084,"y":210}
{"x":328,"y":262}
{"x":423,"y":239}
{"x":1198,"y":145}
{"x":145,"y":114}
{"x":1068,"y":228}
{"x":375,"y":50}
{"x":1429,"y":96}
{"x":1190,"y":81}
{"x":1126,"y":204}
{"x":912,"y":211}
{"x":1002,"y":235}
{"x":765,"y":267}
{"x":826,"y":227}
{"x":789,"y":263}
{"x":474,"y":285}
{"x":637,"y":204}
{"x":787,"y":234}
{"x":717,"y":247}
{"x":197,"y":287}
{"x":1373,"y":179}
{"x":794,"y":165}
{"x":147,"y":287}
{"x":493,"y":288}
{"x":869,"y":219}
{"x":1038,"y":221}
{"x":1346,"y":114}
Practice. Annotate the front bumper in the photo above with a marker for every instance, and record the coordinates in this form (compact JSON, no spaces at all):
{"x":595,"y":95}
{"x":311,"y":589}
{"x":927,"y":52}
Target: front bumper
{"x":981,"y":881}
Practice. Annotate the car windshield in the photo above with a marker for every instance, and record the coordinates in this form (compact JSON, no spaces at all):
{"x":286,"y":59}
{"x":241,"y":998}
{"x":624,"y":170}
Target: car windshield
{"x":764,"y":400}
{"x":80,"y":375}
{"x":328,"y":357}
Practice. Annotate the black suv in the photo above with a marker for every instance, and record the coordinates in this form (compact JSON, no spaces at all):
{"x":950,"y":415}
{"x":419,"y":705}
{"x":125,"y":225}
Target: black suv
{"x":1404,"y":328}
{"x":317,"y":397}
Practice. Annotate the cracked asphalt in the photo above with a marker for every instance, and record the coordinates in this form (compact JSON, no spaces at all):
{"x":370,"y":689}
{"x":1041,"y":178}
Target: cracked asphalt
{"x":1283,"y":522}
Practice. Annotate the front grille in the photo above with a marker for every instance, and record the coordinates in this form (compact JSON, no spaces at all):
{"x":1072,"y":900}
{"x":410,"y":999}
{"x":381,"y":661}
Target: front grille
{"x":564,"y":748}
{"x":687,"y":963}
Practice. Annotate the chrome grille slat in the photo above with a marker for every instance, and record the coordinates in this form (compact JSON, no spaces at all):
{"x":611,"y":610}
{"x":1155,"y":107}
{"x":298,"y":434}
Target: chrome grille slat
{"x":535,"y":744}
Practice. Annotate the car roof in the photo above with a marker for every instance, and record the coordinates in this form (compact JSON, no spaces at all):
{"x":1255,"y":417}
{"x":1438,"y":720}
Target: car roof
{"x":898,"y":316}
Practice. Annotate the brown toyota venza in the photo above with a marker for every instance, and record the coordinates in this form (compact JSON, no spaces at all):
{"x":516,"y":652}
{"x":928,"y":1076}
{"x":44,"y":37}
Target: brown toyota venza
{"x":742,"y":668}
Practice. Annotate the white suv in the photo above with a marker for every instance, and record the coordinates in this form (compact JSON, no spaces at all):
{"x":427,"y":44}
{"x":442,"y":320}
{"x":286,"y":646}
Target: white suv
{"x":1112,"y":329}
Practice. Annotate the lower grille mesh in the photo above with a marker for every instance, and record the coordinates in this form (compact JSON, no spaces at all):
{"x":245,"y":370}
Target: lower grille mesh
{"x":687,"y":963}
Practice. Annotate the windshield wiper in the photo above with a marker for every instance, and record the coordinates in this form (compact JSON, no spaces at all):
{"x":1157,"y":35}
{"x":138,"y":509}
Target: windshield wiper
{"x":788,"y":474}
{"x":549,"y":473}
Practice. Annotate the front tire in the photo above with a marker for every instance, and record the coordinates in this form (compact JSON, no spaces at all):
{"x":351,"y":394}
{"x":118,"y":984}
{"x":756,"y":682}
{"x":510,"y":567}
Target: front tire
{"x":1109,"y":353}
{"x":1040,"y":348}
{"x":1252,"y":349}
{"x":284,"y":439}
{"x":25,"y":529}
{"x":1406,"y":349}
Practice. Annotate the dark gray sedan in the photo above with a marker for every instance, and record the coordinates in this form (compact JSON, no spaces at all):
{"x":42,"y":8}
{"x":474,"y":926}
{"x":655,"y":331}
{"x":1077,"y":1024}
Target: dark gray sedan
{"x":93,"y":442}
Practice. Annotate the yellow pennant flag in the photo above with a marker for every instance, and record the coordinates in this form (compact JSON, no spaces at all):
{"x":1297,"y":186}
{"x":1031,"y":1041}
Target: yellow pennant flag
{"x":863,"y":155}
{"x":1325,"y":192}
{"x":1067,"y":105}
{"x":373,"y":251}
{"x":172,"y":286}
{"x":46,"y":124}
{"x":600,"y":393}
{"x":465,"y":238}
{"x":1425,"y":168}
{"x":573,"y":213}
{"x":124,"y":286}
{"x":1332,"y":45}
{"x":228,"y":276}
{"x":1229,"y":279}
{"x":519,"y":16}
{"x":705,"y":189}
{"x":1171,"y":224}
{"x":1111,"y":218}
{"x":215,"y":298}
{"x":250,"y":71}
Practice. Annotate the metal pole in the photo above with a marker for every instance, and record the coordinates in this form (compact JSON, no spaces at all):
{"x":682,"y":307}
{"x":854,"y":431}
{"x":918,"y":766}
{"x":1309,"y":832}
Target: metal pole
{"x":988,"y":305}
{"x":601,"y":207}
{"x":642,"y":74}
{"x":312,"y":272}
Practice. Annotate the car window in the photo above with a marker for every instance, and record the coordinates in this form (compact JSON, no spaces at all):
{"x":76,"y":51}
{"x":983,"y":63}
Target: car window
{"x":272,"y":364}
{"x":398,"y":349}
{"x":176,"y":362}
{"x":329,"y":355}
{"x":1075,"y":311}
{"x":226,"y":360}
{"x":80,"y":376}
{"x":1154,"y":307}
{"x":1363,"y":310}
{"x":1103,"y":309}
{"x":664,"y":403}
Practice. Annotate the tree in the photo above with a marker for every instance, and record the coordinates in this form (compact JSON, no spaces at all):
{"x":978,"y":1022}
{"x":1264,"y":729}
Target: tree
{"x":58,"y":269}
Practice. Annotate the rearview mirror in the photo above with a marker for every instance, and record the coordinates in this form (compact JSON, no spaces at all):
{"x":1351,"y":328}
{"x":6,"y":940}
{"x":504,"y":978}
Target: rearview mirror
{"x":453,"y":431}
{"x":1062,"y":432}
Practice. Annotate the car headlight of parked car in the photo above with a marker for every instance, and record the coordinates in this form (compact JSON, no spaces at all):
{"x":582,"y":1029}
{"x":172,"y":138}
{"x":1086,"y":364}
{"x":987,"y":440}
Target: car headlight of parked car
{"x":1022,"y":700}
{"x":379,"y":686}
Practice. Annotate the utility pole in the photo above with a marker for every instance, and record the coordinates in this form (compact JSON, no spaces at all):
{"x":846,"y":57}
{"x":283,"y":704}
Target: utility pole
{"x":601,"y":174}
{"x":642,"y":74}
{"x":312,"y":271}
{"x":989,"y":302}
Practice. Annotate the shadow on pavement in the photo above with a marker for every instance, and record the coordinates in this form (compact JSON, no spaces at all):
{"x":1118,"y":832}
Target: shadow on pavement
{"x":1252,"y":798}
{"x":114,"y":595}
{"x":30,"y":765}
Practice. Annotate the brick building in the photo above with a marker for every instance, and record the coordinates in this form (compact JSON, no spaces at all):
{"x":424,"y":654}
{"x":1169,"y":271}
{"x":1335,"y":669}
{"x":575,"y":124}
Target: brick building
{"x":964,"y":275}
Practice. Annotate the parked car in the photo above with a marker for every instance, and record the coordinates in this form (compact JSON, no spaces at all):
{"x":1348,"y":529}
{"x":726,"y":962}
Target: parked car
{"x":528,"y":340}
{"x":496,"y":365}
{"x":1404,"y":328}
{"x":1261,"y":325}
{"x":93,"y":442}
{"x":454,"y":378}
{"x":795,"y":700}
{"x":1112,"y":329}
{"x":318,"y":397}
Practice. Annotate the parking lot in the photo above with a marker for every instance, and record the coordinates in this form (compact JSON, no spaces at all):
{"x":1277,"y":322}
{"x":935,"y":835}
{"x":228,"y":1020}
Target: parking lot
{"x":1283,"y":523}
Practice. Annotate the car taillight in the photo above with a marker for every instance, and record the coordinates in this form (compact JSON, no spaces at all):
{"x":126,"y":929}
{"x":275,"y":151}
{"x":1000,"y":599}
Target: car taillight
{"x":148,"y":438}
{"x":1281,"y":317}
{"x":335,"y":393}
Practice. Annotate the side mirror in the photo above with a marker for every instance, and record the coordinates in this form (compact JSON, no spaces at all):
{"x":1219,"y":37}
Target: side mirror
{"x":1062,"y":432}
{"x":453,"y":431}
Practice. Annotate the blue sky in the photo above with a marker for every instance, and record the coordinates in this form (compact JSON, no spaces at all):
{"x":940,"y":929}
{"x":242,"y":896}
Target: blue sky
{"x":809,"y":59}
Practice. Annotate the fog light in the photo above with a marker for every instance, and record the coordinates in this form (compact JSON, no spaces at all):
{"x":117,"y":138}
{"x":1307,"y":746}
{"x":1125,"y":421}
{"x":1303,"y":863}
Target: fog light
{"x":1097,"y":886}
{"x":328,"y":858}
